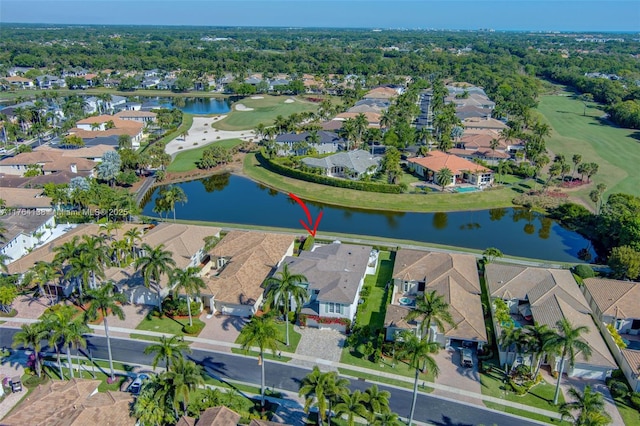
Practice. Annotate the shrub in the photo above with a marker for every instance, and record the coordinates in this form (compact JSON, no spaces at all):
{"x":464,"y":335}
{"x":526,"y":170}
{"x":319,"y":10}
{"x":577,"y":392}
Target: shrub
{"x":519,"y":390}
{"x":178,"y":307}
{"x":308,"y":243}
{"x":377,"y":355}
{"x":618,"y":388}
{"x":366,"y":290}
{"x":616,"y":337}
{"x":618,"y":374}
{"x":584,"y":271}
{"x":292,"y":317}
{"x":193,"y":329}
{"x":635,"y":400}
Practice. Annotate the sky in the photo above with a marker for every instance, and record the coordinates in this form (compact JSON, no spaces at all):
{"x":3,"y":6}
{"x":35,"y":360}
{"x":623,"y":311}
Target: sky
{"x":514,"y":15}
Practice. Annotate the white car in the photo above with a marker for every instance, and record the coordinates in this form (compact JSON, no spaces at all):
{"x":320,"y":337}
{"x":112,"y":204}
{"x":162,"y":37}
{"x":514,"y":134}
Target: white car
{"x":136,"y":386}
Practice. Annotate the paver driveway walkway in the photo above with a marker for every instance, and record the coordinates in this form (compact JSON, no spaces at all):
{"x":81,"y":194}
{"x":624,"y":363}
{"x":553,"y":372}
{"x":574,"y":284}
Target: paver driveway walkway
{"x":452,"y":374}
{"x":325,"y":345}
{"x":225,"y":328}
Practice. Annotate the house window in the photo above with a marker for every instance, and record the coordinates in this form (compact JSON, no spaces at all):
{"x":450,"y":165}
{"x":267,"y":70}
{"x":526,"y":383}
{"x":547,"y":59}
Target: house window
{"x":333,"y":308}
{"x":635,"y":325}
{"x":618,"y":324}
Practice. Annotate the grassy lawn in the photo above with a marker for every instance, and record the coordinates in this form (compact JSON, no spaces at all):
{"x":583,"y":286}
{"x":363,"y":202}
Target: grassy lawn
{"x":187,"y":122}
{"x":87,"y":373}
{"x":186,"y":161}
{"x":630,"y":415}
{"x":540,"y":396}
{"x":432,"y":202}
{"x":294,"y":339}
{"x":616,"y":150}
{"x":166,"y":325}
{"x":264,"y":111}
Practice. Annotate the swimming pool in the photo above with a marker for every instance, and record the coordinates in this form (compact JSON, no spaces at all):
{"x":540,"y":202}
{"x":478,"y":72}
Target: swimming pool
{"x":466,"y":189}
{"x":632,"y":344}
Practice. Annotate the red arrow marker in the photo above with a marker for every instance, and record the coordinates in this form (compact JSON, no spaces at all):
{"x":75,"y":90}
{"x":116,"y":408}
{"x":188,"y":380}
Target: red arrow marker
{"x":308,"y":227}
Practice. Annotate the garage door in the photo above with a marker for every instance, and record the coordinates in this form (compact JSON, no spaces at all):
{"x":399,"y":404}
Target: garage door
{"x":143,"y":296}
{"x":235,"y":310}
{"x":589,"y":374}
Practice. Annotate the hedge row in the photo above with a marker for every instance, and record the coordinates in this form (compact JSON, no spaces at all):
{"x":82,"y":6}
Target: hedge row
{"x":326,"y":180}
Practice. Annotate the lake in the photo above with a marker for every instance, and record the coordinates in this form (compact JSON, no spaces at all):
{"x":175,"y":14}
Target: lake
{"x":201,"y":106}
{"x":517,"y":232}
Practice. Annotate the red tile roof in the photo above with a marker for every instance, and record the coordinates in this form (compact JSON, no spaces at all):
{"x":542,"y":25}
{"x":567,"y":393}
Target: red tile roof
{"x":438,"y":160}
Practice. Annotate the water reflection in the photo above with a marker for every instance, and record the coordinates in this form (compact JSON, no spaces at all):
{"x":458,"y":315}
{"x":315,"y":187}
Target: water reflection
{"x":517,"y":232}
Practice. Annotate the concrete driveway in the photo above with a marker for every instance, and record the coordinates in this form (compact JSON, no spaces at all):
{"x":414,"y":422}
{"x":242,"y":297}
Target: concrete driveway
{"x":452,"y":374}
{"x":220,"y":328}
{"x":28,"y":307}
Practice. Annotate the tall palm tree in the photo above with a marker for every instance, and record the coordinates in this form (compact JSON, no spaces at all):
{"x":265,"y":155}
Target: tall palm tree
{"x":185,"y":377}
{"x":82,"y":268}
{"x":188,"y":280}
{"x":168,"y":349}
{"x":589,"y":406}
{"x":352,"y":405}
{"x":537,"y":336}
{"x":282,"y":289}
{"x":105,"y":301}
{"x":511,"y":337}
{"x":377,"y":401}
{"x":567,"y":342}
{"x":57,"y":322}
{"x":417,"y":351}
{"x":433,"y":310}
{"x":74,"y":338}
{"x":322,"y":390}
{"x":44,"y":274}
{"x":263,"y":333}
{"x":169,"y":196}
{"x":155,"y":262}
{"x":31,"y":336}
{"x":133,"y":236}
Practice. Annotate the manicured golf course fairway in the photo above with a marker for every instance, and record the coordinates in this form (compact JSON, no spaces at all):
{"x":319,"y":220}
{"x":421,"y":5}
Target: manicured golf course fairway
{"x":616,"y":150}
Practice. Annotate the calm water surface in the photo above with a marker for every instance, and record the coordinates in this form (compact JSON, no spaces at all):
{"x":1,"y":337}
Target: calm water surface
{"x":191,"y":105}
{"x":517,"y":232}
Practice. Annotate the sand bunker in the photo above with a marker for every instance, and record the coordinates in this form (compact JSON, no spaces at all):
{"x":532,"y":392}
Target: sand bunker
{"x":257,"y":97}
{"x":242,"y":107}
{"x":289,"y":101}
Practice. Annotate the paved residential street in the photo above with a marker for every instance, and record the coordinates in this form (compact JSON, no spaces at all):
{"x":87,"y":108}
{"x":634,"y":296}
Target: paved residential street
{"x":430,"y":408}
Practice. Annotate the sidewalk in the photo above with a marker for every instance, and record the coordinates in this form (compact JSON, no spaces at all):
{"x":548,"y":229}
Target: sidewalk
{"x":452,"y":391}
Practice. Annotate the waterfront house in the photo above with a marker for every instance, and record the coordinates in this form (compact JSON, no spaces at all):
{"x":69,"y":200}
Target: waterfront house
{"x":335,"y":275}
{"x":452,"y":276}
{"x":545,"y":296}
{"x":349,"y":164}
{"x":615,"y":304}
{"x":329,"y":142}
{"x":238,"y":266}
{"x":462,"y":170}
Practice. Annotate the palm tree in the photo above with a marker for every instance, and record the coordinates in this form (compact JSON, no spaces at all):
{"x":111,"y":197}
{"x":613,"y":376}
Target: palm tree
{"x":511,"y":337}
{"x":589,"y":406}
{"x":352,"y":405}
{"x":188,"y":280}
{"x":567,"y":342}
{"x":321,"y":390}
{"x":185,"y":376}
{"x":153,"y":264}
{"x":444,"y":176}
{"x":74,"y":338}
{"x":284,"y":288}
{"x":418,"y":352}
{"x":105,"y":301}
{"x":576,"y":159}
{"x":45,"y":273}
{"x":31,"y":336}
{"x":82,"y":268}
{"x":168,"y":197}
{"x":386,"y":419}
{"x":168,"y":349}
{"x":377,"y":401}
{"x":56,"y":323}
{"x":132,"y":236}
{"x":537,"y":336}
{"x":151,"y":410}
{"x":263,"y":333}
{"x":433,"y":309}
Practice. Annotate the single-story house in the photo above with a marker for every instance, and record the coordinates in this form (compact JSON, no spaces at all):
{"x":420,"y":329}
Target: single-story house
{"x":335,"y":275}
{"x":328,"y":142}
{"x":373,"y":118}
{"x":545,"y":296}
{"x":483,"y":123}
{"x":381,"y":93}
{"x":615,"y":303}
{"x":20,"y":82}
{"x":239,"y":265}
{"x":462,"y":170}
{"x":452,"y":276}
{"x":98,"y":126}
{"x":137,"y":115}
{"x":25,"y":229}
{"x":348,"y":164}
{"x":74,"y":402}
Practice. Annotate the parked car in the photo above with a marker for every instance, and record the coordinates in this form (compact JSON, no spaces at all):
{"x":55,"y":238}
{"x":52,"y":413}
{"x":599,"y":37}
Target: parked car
{"x":137,"y":384}
{"x":466,"y":358}
{"x":16,"y":384}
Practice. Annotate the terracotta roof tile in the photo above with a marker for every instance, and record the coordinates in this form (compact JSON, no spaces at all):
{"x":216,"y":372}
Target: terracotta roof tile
{"x":620,"y":299}
{"x":182,"y":240}
{"x":25,"y":198}
{"x":438,"y":160}
{"x":218,"y":416}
